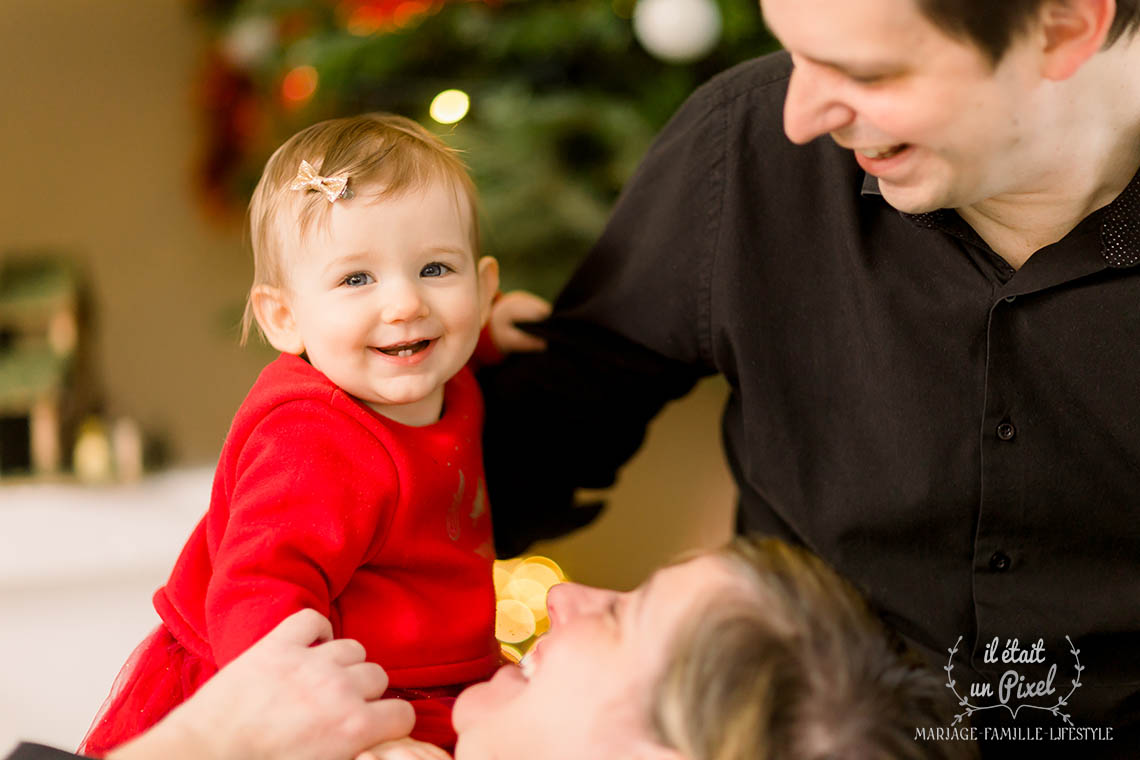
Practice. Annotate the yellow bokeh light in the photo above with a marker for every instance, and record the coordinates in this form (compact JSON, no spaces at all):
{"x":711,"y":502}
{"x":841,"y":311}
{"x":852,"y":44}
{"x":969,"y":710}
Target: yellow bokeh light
{"x":538,"y":559}
{"x":449,"y":106}
{"x":540,"y":574}
{"x":514,"y":621}
{"x":531,"y":593}
{"x":521,"y":585}
{"x":502,"y":577}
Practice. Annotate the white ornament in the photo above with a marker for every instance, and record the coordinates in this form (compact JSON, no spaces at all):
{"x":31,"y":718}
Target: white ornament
{"x":677,"y":30}
{"x":248,"y":41}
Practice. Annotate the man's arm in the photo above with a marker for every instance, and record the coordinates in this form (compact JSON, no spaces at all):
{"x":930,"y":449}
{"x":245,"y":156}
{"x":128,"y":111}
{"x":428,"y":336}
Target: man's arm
{"x":629,"y":333}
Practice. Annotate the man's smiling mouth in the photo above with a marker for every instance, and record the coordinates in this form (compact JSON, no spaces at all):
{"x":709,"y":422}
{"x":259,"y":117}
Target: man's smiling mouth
{"x":884,"y":151}
{"x":404,"y":350}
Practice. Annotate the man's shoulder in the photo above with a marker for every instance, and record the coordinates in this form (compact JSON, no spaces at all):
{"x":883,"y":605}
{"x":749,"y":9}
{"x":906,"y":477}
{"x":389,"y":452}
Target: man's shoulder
{"x":758,"y":84}
{"x":766,"y":73}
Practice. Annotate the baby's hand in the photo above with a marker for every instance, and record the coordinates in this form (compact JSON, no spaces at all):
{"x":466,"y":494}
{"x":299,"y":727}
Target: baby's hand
{"x":511,"y":308}
{"x":404,"y":749}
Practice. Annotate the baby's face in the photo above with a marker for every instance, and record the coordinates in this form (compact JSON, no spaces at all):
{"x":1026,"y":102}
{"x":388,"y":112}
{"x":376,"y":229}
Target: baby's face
{"x":389,"y":299}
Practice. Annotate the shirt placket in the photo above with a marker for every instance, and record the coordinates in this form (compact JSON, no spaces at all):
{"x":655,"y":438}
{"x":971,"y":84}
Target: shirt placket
{"x":1004,"y":438}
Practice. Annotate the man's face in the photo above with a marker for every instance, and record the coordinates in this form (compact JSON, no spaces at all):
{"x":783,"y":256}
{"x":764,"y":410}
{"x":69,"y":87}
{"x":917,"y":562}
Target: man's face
{"x":928,"y":114}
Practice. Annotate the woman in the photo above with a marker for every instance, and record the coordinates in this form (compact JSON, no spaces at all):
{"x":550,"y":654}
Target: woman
{"x":754,"y":651}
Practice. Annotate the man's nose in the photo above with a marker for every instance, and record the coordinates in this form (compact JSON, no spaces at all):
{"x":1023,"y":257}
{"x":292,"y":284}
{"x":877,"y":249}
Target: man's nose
{"x":566,"y":601}
{"x":402,"y":301}
{"x":812,"y":106}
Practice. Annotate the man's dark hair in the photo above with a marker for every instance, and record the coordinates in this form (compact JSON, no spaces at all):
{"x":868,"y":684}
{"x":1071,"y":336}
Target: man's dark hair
{"x":992,"y":25}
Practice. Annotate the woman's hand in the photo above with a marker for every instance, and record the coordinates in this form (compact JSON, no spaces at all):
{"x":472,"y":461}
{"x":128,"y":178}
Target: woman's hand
{"x":296,"y":694}
{"x":510,"y":309}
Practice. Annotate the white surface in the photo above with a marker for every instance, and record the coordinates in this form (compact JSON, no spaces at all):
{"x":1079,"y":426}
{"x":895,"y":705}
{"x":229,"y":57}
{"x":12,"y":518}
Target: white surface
{"x":77,"y":569}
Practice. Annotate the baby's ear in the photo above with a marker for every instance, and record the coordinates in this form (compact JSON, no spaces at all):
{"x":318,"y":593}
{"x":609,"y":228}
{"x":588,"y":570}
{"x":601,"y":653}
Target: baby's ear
{"x":275,"y":316}
{"x":488,"y":272}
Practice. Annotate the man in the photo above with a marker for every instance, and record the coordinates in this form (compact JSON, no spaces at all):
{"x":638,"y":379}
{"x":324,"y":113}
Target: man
{"x":911,"y":245}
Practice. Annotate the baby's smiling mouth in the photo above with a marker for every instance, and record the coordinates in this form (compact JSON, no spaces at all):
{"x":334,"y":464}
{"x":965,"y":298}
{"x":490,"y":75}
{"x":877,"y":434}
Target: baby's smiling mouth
{"x":405,"y":349}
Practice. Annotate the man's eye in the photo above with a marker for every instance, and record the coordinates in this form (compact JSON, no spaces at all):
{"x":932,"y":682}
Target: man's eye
{"x":435,"y":269}
{"x":357,"y":279}
{"x":868,"y":80}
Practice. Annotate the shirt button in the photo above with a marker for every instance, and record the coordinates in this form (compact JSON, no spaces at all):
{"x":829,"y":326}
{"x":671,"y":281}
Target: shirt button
{"x":1006,"y":431}
{"x":1010,"y":299}
{"x":999,"y":562}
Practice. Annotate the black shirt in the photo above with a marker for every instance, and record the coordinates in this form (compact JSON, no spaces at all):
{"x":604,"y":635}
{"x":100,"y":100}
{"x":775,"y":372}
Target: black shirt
{"x":960,"y":439}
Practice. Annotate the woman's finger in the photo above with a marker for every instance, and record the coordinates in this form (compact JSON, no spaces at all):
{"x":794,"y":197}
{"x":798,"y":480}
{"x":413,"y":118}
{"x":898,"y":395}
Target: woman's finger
{"x":369,"y":679}
{"x":388,"y":719}
{"x":302,"y":627}
{"x":343,"y":652}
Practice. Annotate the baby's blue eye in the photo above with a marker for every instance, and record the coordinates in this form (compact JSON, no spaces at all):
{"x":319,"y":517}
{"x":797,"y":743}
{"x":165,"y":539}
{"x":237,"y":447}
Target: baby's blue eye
{"x":357,"y":279}
{"x":435,"y":269}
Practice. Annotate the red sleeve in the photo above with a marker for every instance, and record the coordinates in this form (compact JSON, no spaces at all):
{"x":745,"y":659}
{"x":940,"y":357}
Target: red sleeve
{"x":486,"y":352}
{"x":313,"y":495}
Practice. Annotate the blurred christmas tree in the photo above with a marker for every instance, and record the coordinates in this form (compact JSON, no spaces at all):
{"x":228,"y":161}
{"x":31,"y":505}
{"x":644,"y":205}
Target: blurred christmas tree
{"x":557,"y":99}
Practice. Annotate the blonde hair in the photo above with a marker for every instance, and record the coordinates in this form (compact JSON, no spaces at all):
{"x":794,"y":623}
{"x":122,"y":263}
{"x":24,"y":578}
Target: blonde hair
{"x":386,"y":153}
{"x":799,"y":669}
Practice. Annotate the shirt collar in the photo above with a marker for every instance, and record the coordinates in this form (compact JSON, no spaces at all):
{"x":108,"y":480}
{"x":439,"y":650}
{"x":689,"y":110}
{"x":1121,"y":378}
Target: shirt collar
{"x":1119,"y":231}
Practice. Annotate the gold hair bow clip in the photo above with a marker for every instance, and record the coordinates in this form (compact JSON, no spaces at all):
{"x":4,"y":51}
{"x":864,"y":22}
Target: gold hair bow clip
{"x":334,"y":188}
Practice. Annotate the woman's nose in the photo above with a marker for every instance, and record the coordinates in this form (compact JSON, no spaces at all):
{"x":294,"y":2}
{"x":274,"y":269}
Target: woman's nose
{"x":402,"y":302}
{"x":566,"y":601}
{"x":812,"y":106}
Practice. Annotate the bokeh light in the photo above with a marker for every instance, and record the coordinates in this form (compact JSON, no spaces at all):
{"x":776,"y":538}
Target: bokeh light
{"x":521,"y":586}
{"x":449,"y":106}
{"x":299,"y":85}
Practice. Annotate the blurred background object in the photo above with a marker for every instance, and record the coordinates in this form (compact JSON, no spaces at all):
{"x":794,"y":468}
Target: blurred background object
{"x":135,"y":131}
{"x":39,"y":322}
{"x":554,"y":101}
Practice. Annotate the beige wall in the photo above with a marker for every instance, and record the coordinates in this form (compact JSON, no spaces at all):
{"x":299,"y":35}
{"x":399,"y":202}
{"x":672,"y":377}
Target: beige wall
{"x":98,"y":135}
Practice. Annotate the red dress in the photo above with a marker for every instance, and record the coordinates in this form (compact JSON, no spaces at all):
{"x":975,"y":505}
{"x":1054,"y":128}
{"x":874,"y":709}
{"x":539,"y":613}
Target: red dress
{"x":320,"y":502}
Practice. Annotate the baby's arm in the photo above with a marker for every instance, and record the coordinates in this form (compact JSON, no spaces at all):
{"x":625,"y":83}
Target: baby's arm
{"x":312,"y":494}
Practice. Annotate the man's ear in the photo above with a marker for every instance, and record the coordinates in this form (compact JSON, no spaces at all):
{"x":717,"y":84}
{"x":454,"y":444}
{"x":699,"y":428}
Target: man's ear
{"x":488,"y":272}
{"x":274,"y":314}
{"x":1072,"y":32}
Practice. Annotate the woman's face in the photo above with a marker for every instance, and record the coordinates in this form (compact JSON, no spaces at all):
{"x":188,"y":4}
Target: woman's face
{"x":588,"y":691}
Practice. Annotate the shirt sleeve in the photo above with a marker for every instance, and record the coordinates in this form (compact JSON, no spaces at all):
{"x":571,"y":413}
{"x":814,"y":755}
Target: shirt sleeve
{"x":28,"y":751}
{"x":312,"y":499}
{"x":629,"y":333}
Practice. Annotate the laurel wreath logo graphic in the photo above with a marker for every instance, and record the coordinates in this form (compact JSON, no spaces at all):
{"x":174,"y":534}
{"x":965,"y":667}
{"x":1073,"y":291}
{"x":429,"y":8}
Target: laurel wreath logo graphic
{"x":971,"y":708}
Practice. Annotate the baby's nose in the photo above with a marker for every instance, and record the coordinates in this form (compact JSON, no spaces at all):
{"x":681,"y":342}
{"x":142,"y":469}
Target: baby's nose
{"x":402,"y":302}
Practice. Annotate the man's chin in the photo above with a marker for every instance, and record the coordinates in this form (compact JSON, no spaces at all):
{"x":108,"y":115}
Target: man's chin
{"x":911,"y":200}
